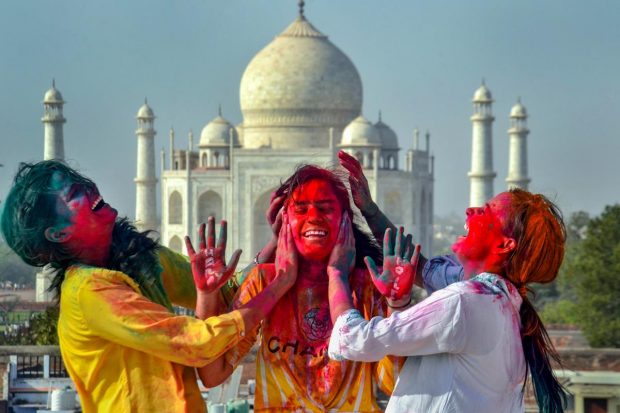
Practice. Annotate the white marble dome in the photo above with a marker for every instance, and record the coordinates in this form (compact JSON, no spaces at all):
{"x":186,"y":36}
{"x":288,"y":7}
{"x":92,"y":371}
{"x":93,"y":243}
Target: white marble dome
{"x":360,"y":132}
{"x":483,"y":94}
{"x":518,"y":111}
{"x":145,"y":111}
{"x":388,"y":137}
{"x":53,"y":96}
{"x":217,"y":133}
{"x":300,"y":79}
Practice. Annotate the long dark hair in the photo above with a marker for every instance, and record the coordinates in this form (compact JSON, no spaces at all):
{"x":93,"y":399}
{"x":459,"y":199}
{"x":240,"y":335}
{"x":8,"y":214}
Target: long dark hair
{"x":538,"y":227}
{"x":30,"y":208}
{"x":365,"y":245}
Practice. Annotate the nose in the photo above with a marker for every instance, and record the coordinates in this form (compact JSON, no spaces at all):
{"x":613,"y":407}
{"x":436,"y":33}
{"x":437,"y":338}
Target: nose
{"x":314,"y":212}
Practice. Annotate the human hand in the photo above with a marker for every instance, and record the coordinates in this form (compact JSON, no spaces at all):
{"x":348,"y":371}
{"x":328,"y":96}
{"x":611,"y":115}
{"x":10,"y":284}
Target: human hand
{"x":399,"y":268}
{"x":286,"y":255}
{"x":342,"y":258}
{"x":274,"y":212}
{"x":209,"y":263}
{"x":359,"y":184}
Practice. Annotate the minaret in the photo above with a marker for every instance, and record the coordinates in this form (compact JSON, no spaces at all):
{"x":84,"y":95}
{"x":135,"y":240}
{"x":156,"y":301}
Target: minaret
{"x":481,"y":174}
{"x":517,"y":157}
{"x":146,"y":207}
{"x":54,"y":147}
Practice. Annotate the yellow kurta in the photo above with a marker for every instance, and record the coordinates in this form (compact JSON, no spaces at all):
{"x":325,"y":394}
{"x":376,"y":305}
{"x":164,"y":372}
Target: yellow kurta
{"x":293,"y":371}
{"x":127,"y":354}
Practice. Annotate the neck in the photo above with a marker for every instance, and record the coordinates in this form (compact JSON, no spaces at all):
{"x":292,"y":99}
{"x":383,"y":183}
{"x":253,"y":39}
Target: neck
{"x":473,"y":268}
{"x":313,"y":271}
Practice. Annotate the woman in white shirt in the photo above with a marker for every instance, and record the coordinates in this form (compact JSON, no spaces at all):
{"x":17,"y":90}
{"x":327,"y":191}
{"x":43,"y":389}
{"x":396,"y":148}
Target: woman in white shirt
{"x":470,"y":345}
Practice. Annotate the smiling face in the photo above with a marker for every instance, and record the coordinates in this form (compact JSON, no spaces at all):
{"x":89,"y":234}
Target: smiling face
{"x":484,"y":244}
{"x":84,"y":221}
{"x":314,"y":214}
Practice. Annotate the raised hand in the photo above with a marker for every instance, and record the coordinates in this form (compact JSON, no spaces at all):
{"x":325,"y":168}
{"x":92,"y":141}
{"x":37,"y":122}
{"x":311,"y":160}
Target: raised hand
{"x":342,"y":258}
{"x":274,"y":212}
{"x":399,"y":267}
{"x":359,"y":185}
{"x":286,"y":255}
{"x":209,"y":263}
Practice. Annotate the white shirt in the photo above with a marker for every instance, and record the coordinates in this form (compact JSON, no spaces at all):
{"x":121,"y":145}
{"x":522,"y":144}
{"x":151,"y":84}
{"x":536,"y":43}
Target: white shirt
{"x":462,"y":343}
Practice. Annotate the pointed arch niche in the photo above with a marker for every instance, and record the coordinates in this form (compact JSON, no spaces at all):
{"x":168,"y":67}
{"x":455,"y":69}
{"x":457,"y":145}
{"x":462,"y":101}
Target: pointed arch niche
{"x":175,"y":208}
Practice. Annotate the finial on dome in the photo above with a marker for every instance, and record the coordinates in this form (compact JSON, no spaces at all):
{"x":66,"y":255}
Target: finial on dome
{"x":483,"y":84}
{"x":379,"y":115}
{"x":219,"y":109}
{"x":301,"y":4}
{"x":53,"y":83}
{"x":146,"y":102}
{"x":519,"y":99}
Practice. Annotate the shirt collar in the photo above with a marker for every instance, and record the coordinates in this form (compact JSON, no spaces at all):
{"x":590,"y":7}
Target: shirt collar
{"x":499,"y":285}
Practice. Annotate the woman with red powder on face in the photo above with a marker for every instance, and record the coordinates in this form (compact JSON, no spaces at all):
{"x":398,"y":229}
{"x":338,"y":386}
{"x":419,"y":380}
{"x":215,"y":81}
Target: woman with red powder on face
{"x":293,"y":370}
{"x":470,"y":345}
{"x":123,"y":347}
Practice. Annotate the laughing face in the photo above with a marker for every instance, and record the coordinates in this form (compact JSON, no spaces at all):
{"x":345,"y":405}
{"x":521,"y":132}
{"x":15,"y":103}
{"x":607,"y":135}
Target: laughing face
{"x":485,"y":234}
{"x":315,"y":213}
{"x":85,"y":221}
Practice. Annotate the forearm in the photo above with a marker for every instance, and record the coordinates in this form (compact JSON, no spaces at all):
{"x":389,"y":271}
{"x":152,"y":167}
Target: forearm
{"x":339,"y":294}
{"x":255,"y":310}
{"x":207,"y":305}
{"x":377,"y":221}
{"x":214,"y":374}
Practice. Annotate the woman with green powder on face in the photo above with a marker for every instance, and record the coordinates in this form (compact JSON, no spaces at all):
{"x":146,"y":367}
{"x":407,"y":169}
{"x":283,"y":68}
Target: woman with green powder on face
{"x":123,"y":347}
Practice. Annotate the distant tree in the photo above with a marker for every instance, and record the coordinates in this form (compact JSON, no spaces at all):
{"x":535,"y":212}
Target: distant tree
{"x":594,"y":277}
{"x":43,"y":327}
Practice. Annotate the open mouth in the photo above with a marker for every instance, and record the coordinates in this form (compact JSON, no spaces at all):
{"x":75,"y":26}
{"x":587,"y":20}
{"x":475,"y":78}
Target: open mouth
{"x":315,"y":234}
{"x":97,"y":204}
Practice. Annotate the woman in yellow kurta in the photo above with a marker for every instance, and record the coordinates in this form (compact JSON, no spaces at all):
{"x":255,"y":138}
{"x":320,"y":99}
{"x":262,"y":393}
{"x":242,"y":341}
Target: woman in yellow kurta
{"x":293,"y":371}
{"x":123,"y":347}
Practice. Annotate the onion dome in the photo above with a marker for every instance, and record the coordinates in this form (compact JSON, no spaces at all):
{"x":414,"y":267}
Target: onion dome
{"x":217,"y":133}
{"x":360,"y":132}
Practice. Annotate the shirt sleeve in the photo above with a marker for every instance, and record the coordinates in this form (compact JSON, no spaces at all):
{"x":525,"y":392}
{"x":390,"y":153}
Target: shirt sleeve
{"x":115,"y":311}
{"x":439,"y":272}
{"x":251,"y":287}
{"x":436,"y":325}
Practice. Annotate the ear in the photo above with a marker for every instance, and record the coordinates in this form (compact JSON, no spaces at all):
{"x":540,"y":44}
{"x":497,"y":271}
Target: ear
{"x":57,"y":235}
{"x":506,"y":245}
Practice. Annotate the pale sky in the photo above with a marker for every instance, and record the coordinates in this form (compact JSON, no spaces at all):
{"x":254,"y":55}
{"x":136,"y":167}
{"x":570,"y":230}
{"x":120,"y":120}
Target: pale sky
{"x":420,"y":63}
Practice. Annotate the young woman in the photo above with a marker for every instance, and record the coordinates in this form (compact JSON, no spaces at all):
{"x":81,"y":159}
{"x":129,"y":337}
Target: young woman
{"x":123,"y":347}
{"x":470,"y":345}
{"x":293,"y":370}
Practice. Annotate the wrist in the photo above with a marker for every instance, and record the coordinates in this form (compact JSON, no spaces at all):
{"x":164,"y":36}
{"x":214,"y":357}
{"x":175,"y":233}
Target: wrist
{"x":371,"y":210}
{"x":401,"y":303}
{"x":333,"y":272}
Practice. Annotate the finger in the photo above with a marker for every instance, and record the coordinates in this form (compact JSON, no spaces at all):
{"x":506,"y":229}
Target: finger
{"x":221,"y":242}
{"x":398,"y":248}
{"x":387,"y":242}
{"x":416,"y":256}
{"x":189,"y":247}
{"x":211,"y":232}
{"x":275,"y":206}
{"x":201,"y":236}
{"x":234,"y":260}
{"x":349,"y":232}
{"x":277,"y":225}
{"x":349,"y":162}
{"x":409,"y":247}
{"x":372,"y":267}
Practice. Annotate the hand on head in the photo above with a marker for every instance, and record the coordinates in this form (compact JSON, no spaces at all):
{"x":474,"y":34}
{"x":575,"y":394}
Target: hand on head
{"x":275,"y":211}
{"x":286,"y":254}
{"x":342,"y":258}
{"x":359,"y":185}
{"x":209,"y":263}
{"x":400,"y":262}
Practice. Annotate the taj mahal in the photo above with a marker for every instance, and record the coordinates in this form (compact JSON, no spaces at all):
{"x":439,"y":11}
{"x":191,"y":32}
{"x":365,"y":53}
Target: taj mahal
{"x":301,"y":102}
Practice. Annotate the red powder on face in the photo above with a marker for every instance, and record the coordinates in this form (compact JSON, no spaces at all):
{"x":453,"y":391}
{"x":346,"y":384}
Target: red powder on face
{"x":315,"y":213}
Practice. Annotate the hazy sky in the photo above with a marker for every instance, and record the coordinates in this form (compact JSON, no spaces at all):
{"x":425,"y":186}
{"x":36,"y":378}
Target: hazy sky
{"x":420,"y":63}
